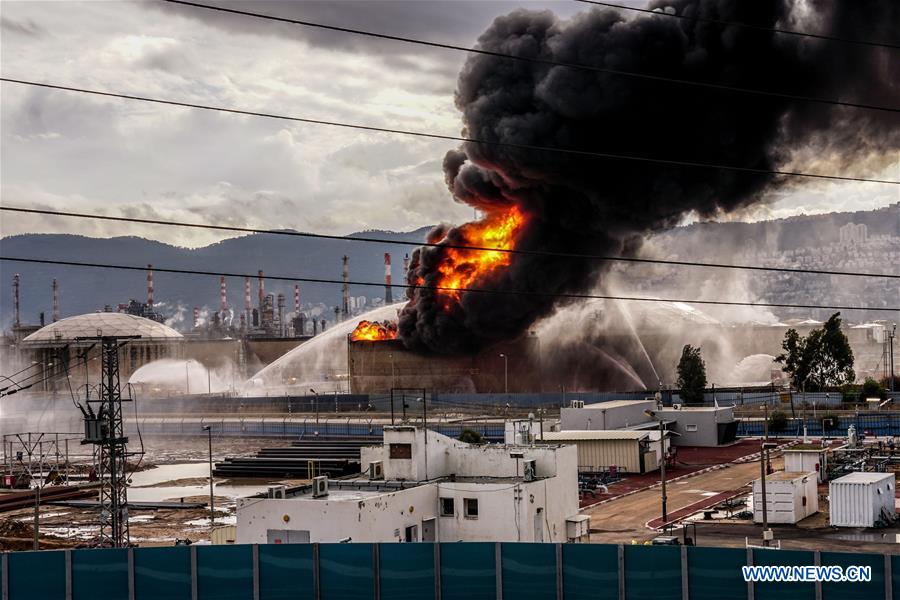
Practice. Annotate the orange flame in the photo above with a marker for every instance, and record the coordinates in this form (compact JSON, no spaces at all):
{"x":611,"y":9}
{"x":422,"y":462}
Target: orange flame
{"x":373,"y":331}
{"x":461,"y":268}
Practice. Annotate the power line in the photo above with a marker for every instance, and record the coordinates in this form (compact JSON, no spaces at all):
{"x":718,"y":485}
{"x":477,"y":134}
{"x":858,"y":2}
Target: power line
{"x":744,"y":25}
{"x":543,"y":61}
{"x":680,"y":163}
{"x":380,"y":284}
{"x":323,"y":236}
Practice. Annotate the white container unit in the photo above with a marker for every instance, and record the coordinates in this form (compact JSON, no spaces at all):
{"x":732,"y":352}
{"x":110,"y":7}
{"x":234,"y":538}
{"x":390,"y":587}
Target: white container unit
{"x":861,"y":499}
{"x":791,"y":496}
{"x":807,"y":459}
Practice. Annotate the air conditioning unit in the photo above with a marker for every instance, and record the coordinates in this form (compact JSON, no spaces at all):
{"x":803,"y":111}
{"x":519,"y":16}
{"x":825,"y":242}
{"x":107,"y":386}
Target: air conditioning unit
{"x":676,"y":406}
{"x":320,"y":486}
{"x":530,"y":469}
{"x":577,"y":403}
{"x":376,"y":470}
{"x":277,"y":492}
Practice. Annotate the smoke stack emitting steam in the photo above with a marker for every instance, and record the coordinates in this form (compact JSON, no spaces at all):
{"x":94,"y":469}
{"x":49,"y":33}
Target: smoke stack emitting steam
{"x":559,"y":202}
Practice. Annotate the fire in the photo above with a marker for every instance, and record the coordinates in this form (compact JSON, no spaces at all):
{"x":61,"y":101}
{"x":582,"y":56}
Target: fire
{"x":462,"y":268}
{"x":373,"y":331}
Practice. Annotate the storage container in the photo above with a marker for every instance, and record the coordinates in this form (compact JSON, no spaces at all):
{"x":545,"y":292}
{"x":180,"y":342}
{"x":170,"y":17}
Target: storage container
{"x":862,"y":499}
{"x":791,"y":496}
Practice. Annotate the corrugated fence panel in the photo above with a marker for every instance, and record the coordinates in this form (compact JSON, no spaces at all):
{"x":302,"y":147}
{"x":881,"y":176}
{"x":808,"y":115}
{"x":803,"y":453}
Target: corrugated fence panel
{"x":652,"y":572}
{"x":345,"y":572}
{"x":715,"y":573}
{"x":100,"y":573}
{"x":37,"y":575}
{"x":529,"y":570}
{"x":590,"y":572}
{"x":162,"y":573}
{"x":856,"y":590}
{"x":224,"y":572}
{"x":286,"y":572}
{"x":407,"y":571}
{"x":468,"y":571}
{"x":784,"y":591}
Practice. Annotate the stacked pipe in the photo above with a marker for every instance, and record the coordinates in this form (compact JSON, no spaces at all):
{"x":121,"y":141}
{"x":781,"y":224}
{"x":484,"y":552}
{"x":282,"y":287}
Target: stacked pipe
{"x":331,"y":457}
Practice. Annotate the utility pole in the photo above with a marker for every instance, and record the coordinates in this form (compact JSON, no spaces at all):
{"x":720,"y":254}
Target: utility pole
{"x":505,"y":373}
{"x":893,"y":333}
{"x":763,"y":462}
{"x":212,"y":509}
{"x":662,"y":464}
{"x":105,"y":428}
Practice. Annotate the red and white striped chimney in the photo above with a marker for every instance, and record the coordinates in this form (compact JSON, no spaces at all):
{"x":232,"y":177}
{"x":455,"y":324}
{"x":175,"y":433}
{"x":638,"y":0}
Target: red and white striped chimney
{"x":55,"y":313}
{"x":388,"y":295}
{"x":150,"y":287}
{"x":196,"y":317}
{"x":262,"y":289}
{"x":223,"y":295}
{"x":296,"y":299}
{"x":248,"y":308}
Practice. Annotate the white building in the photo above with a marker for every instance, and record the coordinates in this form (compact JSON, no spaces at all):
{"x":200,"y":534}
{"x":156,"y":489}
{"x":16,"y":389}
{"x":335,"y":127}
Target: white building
{"x":424,"y":486}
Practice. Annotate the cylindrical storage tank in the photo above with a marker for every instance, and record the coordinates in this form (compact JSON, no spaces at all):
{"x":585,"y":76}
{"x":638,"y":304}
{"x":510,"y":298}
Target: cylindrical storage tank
{"x":790,"y":497}
{"x":861,"y":499}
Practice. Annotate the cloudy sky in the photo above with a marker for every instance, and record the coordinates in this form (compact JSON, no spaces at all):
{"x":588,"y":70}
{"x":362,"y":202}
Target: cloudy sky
{"x":67,"y":151}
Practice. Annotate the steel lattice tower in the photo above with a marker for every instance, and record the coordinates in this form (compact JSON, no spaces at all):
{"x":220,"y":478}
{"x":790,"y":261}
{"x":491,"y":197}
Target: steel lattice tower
{"x":105,"y":428}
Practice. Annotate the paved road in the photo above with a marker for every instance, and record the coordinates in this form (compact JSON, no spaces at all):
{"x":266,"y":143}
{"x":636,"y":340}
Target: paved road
{"x":623,"y":519}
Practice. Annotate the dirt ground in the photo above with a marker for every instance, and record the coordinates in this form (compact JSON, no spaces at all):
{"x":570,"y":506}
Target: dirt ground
{"x":64,"y":527}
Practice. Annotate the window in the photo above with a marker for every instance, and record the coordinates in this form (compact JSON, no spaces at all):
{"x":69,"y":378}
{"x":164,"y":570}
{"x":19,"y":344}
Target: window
{"x":448,"y":508}
{"x":401,"y":450}
{"x":471,"y":508}
{"x":690,"y":428}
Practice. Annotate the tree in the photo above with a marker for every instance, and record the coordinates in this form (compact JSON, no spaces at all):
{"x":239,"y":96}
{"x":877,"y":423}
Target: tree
{"x":872,"y":389}
{"x":470,"y":436}
{"x":778,"y":421}
{"x":691,"y":375}
{"x":821,"y":359}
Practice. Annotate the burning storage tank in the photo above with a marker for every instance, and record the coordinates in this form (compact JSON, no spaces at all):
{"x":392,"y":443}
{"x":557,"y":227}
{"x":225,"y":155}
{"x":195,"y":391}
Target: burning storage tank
{"x":379,"y":361}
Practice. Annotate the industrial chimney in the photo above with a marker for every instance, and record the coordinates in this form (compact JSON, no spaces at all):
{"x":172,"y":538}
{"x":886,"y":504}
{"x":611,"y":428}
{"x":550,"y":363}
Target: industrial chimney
{"x":196,"y":317}
{"x":223,"y":296}
{"x":405,"y":265}
{"x":55,"y":313}
{"x":16,"y":280}
{"x":149,"y":288}
{"x":281,"y":327}
{"x":296,"y":299}
{"x":388,"y":297}
{"x":248,"y":307}
{"x":262,"y":290}
{"x":345,"y":292}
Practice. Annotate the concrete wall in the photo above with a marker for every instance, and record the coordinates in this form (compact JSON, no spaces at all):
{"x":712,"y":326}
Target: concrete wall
{"x":599,"y":417}
{"x":382,"y":518}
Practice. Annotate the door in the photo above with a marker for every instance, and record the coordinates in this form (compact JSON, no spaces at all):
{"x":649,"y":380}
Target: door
{"x":412,"y":533}
{"x":287,"y":536}
{"x":539,"y":525}
{"x":429,"y":530}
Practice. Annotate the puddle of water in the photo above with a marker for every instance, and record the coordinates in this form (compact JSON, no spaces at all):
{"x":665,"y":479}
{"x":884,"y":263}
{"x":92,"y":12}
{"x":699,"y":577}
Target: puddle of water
{"x":138,"y":492}
{"x":877,"y":538}
{"x":169,"y":472}
{"x":229,"y":520}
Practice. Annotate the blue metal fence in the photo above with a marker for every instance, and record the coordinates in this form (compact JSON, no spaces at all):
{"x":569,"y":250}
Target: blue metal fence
{"x":449,"y":571}
{"x":880,"y":424}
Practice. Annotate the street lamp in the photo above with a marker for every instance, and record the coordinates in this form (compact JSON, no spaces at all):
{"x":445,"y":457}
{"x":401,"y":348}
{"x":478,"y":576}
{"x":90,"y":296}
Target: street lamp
{"x":212,"y":517}
{"x":505,"y":373}
{"x":662,"y":464}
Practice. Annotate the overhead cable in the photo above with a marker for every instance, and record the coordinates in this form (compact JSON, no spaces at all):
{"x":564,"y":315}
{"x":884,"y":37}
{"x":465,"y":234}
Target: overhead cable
{"x":381,"y":284}
{"x":568,"y":151}
{"x":365,"y":239}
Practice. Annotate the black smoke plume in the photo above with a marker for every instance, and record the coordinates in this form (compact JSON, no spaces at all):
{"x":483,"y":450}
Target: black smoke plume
{"x":606,"y":206}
